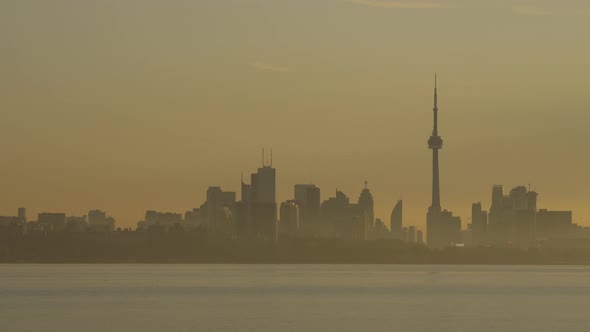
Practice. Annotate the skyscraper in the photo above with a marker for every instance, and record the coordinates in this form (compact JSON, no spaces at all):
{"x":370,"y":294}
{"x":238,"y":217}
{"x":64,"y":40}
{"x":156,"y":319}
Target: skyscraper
{"x":289,"y":218}
{"x":263,"y":206}
{"x":396,"y":221}
{"x":412,"y":234}
{"x":308,"y":199}
{"x":22,"y":214}
{"x":365,"y":202}
{"x":263,"y":183}
{"x":479,"y":222}
{"x":220,"y":210}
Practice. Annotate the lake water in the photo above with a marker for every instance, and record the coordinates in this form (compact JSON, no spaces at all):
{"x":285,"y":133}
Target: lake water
{"x":293,"y":298}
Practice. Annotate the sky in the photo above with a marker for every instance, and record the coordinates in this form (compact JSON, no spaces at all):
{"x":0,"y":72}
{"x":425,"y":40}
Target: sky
{"x":129,"y":105}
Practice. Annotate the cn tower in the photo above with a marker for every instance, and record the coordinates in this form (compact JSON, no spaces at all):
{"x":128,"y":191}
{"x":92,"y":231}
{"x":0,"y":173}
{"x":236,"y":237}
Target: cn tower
{"x":435,"y":229}
{"x":435,"y":143}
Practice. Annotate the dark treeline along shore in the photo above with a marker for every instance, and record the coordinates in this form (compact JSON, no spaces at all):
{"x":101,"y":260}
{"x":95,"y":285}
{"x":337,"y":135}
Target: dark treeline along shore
{"x":197,"y":247}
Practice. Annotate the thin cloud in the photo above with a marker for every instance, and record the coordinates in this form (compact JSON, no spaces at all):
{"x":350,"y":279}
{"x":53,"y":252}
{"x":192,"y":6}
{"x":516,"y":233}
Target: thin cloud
{"x":399,"y":4}
{"x":268,"y":67}
{"x":530,"y":11}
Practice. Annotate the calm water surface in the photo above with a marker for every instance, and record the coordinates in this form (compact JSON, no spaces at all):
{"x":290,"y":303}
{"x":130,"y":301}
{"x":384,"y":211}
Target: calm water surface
{"x":293,"y":298}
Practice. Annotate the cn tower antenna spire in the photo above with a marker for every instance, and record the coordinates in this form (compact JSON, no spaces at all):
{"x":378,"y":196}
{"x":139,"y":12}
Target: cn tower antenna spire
{"x":435,"y":109}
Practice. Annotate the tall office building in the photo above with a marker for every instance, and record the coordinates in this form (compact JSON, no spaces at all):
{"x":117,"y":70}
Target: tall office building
{"x":307,"y":197}
{"x":343,"y":219}
{"x":419,"y":237}
{"x":257,"y":212}
{"x":289,"y":219}
{"x":366,"y":204}
{"x":396,"y":221}
{"x":412,"y":234}
{"x":220,"y":212}
{"x":22,"y":214}
{"x":479,"y":223}
{"x":512,"y":217}
{"x":263,"y":183}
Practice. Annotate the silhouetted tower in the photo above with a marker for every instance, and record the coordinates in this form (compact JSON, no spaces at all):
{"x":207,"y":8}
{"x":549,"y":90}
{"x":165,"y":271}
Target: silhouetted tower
{"x":263,"y":183}
{"x":435,"y":221}
{"x":435,"y":143}
{"x":366,"y":204}
{"x":308,"y":199}
{"x":263,"y":206}
{"x":396,"y":221}
{"x":22,"y":214}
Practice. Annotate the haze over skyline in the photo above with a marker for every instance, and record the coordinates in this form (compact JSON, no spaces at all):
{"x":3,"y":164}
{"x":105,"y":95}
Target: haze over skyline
{"x":135,"y":105}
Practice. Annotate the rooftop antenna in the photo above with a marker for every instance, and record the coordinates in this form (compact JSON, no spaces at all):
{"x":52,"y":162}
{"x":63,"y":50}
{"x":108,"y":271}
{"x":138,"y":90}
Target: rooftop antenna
{"x":271,"y":157}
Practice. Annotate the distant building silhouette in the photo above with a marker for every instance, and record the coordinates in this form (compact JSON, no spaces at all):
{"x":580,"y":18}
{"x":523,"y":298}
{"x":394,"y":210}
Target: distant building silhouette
{"x":52,"y":221}
{"x":479,"y":224}
{"x":396,"y":221}
{"x":365,"y":202}
{"x":76,"y":224}
{"x":257,"y":211}
{"x":443,"y":229}
{"x":514,"y":220}
{"x":412,"y":234}
{"x":98,"y":221}
{"x":380,"y":231}
{"x":193,"y":220}
{"x":221,"y":207}
{"x":554,"y":224}
{"x":308,"y":198}
{"x":14,"y":224}
{"x":22,"y":214}
{"x":344,"y":220}
{"x":405,"y":236}
{"x":512,"y":217}
{"x":289,"y":219}
{"x":153,"y":220}
{"x":419,"y":237}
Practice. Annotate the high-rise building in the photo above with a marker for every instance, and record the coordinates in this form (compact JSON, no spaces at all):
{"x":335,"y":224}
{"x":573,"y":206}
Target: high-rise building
{"x":257,"y":212}
{"x":289,"y":219}
{"x":308,"y":199}
{"x":380,"y":231}
{"x":366,"y":204}
{"x":263,"y":183}
{"x":442,"y":227}
{"x":22,"y":214}
{"x":518,"y":198}
{"x":479,"y":223}
{"x":396,"y":221}
{"x":512,"y":217}
{"x":412,"y":234}
{"x":344,"y":220}
{"x":554,"y":224}
{"x":419,"y":237}
{"x":220,"y":211}
{"x":405,"y":234}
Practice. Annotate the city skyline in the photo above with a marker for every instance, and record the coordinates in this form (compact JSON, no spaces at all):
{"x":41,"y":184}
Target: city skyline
{"x":98,"y":124}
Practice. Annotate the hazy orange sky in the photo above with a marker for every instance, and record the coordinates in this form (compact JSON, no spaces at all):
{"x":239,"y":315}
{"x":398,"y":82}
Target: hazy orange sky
{"x":128,"y":105}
